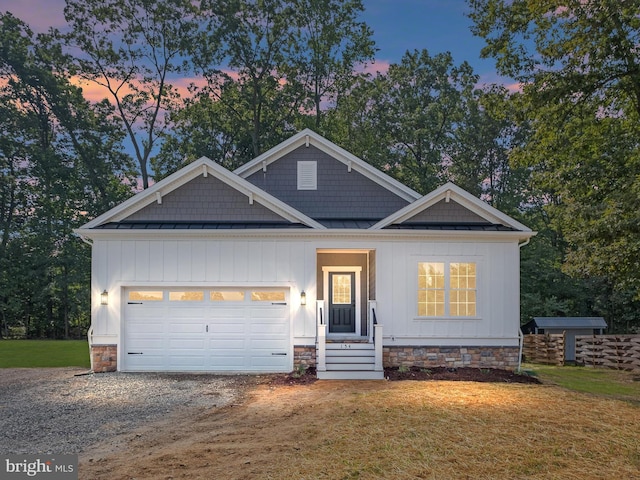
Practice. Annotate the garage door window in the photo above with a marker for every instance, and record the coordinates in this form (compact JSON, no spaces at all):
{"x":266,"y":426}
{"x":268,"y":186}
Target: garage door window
{"x":146,"y":295}
{"x":267,"y":296}
{"x":195,"y":296}
{"x":227,"y":296}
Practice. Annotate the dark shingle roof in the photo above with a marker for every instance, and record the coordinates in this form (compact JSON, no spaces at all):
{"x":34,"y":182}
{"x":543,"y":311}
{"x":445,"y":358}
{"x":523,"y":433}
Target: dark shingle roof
{"x":485,"y":227}
{"x":197,"y":225}
{"x":564,"y":323}
{"x":570,"y":322}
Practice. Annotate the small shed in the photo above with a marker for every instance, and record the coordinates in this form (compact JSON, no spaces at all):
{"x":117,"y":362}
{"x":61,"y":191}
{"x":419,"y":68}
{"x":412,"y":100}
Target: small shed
{"x":572,"y":325}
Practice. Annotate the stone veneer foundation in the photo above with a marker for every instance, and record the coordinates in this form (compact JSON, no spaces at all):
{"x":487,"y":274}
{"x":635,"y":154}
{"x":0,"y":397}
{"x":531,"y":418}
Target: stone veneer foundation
{"x":478,"y":357}
{"x":304,"y":356}
{"x":105,"y":358}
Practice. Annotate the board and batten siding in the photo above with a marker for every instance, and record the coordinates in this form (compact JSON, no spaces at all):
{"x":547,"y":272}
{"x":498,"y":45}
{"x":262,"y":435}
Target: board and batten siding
{"x":498,"y":293}
{"x":291,"y":262}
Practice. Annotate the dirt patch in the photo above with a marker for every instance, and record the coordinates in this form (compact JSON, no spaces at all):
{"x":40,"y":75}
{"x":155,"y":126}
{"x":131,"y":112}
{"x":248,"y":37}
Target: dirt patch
{"x":384,"y":430}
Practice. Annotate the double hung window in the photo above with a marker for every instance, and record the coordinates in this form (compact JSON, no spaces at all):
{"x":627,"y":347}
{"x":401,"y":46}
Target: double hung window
{"x":447,"y":289}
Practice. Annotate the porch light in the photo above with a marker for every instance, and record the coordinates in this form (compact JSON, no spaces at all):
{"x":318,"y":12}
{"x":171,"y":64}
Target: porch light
{"x":104,"y":298}
{"x":303,"y":298}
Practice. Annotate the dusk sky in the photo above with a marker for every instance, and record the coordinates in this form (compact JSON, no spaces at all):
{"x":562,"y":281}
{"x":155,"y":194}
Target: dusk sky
{"x":398,"y":26}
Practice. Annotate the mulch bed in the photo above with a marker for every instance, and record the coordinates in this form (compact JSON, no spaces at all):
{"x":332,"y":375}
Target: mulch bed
{"x":466,"y":374}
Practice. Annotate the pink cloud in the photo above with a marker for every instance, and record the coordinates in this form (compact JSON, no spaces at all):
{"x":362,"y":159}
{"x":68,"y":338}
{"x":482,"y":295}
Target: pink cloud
{"x":182,"y":84}
{"x":495,"y":79}
{"x":378,"y":66}
{"x":39,"y":15}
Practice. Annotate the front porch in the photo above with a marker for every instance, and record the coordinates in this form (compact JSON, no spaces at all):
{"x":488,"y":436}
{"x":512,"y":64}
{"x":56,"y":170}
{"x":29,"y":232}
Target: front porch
{"x":349,"y":358}
{"x":348,"y":335}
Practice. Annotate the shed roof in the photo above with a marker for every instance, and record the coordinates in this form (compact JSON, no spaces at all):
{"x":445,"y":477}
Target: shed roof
{"x":570,"y":322}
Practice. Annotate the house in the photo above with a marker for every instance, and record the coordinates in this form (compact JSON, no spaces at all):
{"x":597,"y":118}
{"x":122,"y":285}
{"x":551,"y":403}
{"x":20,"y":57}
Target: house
{"x":306,"y":255}
{"x":572,"y":326}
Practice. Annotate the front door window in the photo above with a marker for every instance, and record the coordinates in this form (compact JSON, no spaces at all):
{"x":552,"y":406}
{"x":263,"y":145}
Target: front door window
{"x":342,"y":287}
{"x":342,"y":302}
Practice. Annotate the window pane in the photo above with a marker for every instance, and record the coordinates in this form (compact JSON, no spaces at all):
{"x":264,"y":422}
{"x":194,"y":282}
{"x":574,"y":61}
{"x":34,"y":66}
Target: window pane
{"x":431,"y":275}
{"x":146,"y":295}
{"x":462,"y":275}
{"x":431,"y":297}
{"x":226,"y":296}
{"x":431,"y":303}
{"x":186,"y":296}
{"x":462,"y":303}
{"x":341,"y":289}
{"x":267,"y":296}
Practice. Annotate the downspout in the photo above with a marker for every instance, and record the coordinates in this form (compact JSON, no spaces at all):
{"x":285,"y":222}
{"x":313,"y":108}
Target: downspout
{"x":521,"y":343}
{"x":90,"y":331}
{"x":520,"y":334}
{"x":90,"y":339}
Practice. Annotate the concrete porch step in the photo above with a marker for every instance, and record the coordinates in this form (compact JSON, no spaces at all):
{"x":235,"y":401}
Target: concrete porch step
{"x":330,"y":359}
{"x":350,"y":375}
{"x":350,"y":366}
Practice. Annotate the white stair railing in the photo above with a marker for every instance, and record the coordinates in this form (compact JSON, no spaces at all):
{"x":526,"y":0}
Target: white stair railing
{"x":376,"y":330}
{"x":321,"y":338}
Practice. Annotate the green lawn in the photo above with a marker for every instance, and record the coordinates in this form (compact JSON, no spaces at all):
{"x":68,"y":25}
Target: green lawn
{"x":598,"y":381}
{"x":44,"y":353}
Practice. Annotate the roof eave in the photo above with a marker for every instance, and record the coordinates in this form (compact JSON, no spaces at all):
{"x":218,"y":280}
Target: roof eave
{"x":513,"y":236}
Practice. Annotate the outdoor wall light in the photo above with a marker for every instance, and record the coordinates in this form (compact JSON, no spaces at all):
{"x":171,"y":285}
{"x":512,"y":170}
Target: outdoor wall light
{"x":104,"y":298}
{"x":303,"y":298}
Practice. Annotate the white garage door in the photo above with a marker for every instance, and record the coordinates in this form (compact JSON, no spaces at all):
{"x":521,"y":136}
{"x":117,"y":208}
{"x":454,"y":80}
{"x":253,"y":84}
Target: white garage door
{"x":208,"y":329}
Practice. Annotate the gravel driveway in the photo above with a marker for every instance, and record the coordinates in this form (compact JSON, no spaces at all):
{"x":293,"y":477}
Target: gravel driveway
{"x":61,"y":411}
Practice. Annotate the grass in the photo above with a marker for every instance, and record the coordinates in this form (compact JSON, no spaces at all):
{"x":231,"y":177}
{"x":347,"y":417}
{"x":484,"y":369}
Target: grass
{"x":616,"y":384}
{"x":44,"y":353}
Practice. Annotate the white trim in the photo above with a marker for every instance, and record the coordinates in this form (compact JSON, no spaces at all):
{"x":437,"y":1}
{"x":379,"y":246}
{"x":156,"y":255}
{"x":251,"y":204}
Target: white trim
{"x":442,"y":341}
{"x":464,"y":198}
{"x":357,"y":270}
{"x":335,"y":234}
{"x":333,"y":150}
{"x":447,"y":260}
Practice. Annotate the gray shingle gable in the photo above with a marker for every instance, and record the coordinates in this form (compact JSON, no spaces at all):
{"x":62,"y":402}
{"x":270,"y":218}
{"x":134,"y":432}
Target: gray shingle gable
{"x":340,"y":193}
{"x":446,"y":212}
{"x":205,"y":199}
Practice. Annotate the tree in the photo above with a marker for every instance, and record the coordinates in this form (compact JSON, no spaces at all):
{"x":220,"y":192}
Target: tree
{"x":329,"y":44}
{"x":61,"y":160}
{"x":253,"y":38}
{"x":570,"y":50}
{"x":581,"y":88}
{"x":409,"y":115}
{"x":131,"y":48}
{"x":484,"y":138}
{"x":205,"y":126}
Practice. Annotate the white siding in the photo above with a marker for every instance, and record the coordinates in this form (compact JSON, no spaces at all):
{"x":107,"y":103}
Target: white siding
{"x":292,"y":262}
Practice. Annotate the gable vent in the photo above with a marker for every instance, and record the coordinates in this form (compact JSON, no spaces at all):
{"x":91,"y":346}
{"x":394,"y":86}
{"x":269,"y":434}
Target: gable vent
{"x":307,"y":176}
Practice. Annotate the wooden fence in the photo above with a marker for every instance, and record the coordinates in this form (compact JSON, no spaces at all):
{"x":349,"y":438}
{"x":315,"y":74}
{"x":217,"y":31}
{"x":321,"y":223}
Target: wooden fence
{"x":620,"y":352}
{"x":547,"y":348}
